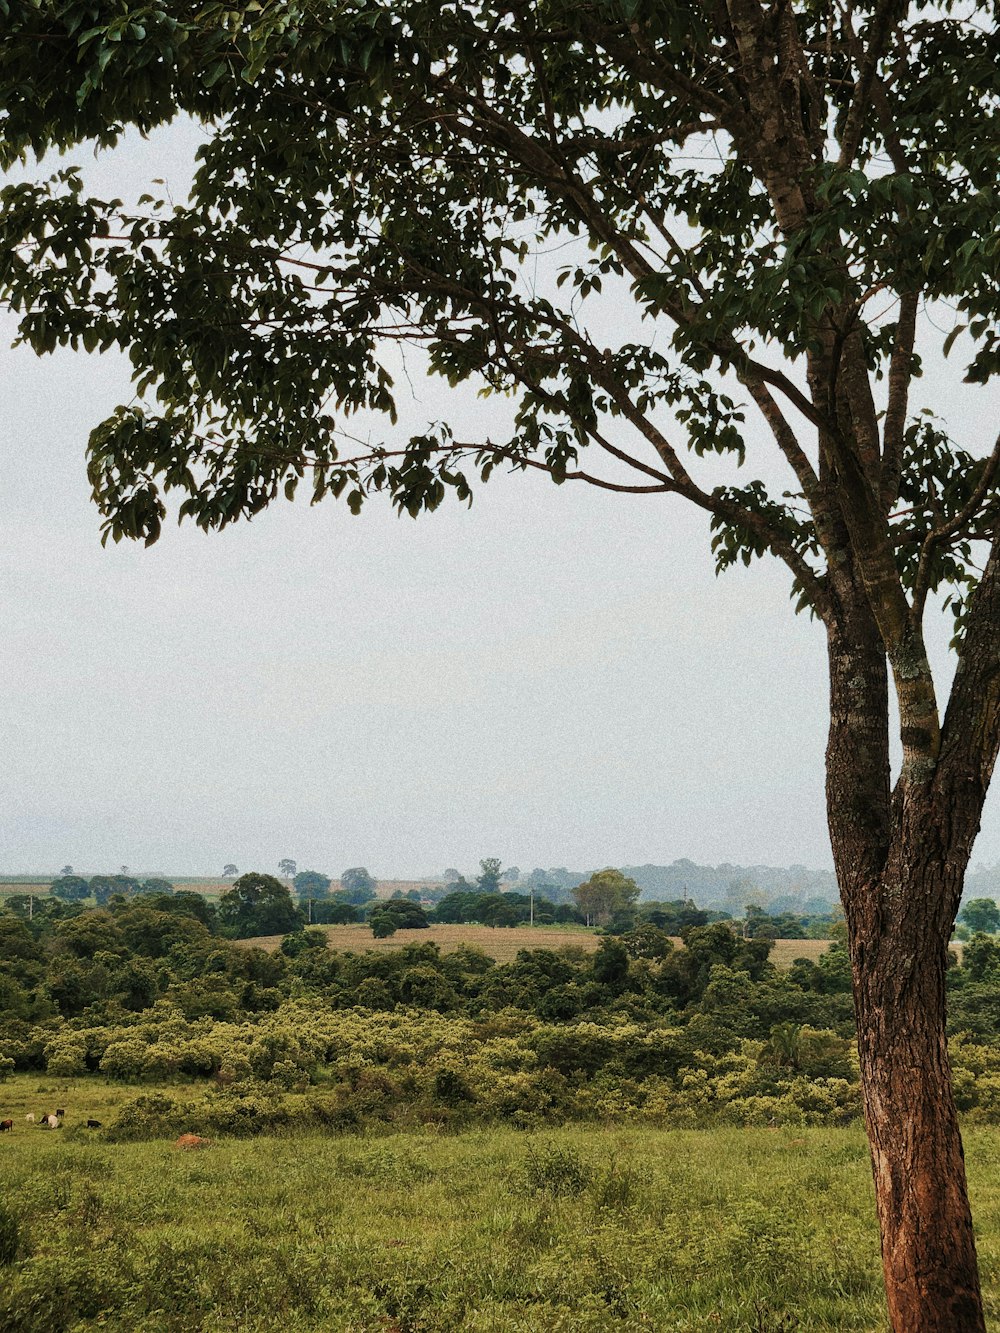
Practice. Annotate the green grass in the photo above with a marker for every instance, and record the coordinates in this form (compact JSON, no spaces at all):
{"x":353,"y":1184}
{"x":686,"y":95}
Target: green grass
{"x":580,"y":1229}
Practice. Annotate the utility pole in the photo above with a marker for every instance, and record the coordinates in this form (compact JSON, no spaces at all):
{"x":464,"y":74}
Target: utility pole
{"x":531,"y":901}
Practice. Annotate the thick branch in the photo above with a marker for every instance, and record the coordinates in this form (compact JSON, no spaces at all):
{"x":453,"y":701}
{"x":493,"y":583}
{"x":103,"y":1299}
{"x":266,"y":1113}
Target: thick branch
{"x":899,"y":390}
{"x":971,"y":733}
{"x":902,"y":637}
{"x":884,"y":23}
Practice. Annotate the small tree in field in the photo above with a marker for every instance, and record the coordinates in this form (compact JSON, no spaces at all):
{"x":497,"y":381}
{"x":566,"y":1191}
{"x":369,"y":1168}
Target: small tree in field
{"x":384,"y":925}
{"x":643,"y":222}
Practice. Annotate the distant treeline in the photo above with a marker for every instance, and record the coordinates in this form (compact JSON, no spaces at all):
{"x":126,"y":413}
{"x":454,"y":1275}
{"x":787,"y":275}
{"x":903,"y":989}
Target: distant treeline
{"x":725,"y":887}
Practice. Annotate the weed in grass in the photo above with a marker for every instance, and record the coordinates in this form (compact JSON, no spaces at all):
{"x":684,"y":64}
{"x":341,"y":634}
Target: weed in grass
{"x":616,"y":1187}
{"x":767,"y":1321}
{"x":405,"y":1299}
{"x":10,"y":1236}
{"x":550,"y":1169}
{"x":386,"y":1165}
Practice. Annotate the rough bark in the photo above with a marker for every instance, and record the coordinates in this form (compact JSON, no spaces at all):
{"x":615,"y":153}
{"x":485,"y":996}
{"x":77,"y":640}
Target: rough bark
{"x":899,"y":934}
{"x":901,"y":860}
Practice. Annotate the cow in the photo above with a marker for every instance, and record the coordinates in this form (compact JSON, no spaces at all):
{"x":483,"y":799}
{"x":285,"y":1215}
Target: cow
{"x":50,"y":1121}
{"x":60,"y":1112}
{"x":30,"y":1117}
{"x":6,"y":1125}
{"x":93,"y":1124}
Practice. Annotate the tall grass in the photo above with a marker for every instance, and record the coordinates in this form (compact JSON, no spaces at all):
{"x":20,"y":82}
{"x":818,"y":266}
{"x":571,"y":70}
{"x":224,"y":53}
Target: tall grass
{"x":581,"y":1230}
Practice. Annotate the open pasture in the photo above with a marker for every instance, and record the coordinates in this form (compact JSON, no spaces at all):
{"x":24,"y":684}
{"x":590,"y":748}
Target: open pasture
{"x":785,"y":952}
{"x":579,"y":1230}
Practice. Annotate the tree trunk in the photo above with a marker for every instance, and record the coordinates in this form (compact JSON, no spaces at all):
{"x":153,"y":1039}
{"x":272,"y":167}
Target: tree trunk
{"x":928,"y":1249}
{"x":901,"y":858}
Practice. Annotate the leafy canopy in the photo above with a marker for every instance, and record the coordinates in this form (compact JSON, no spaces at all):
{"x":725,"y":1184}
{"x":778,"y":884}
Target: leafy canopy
{"x":599,"y":210}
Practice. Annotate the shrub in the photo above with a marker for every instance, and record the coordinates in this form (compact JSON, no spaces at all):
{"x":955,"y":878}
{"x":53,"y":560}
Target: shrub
{"x":147,"y":1117}
{"x":124,"y":1059}
{"x":66,"y":1055}
{"x":550,"y":1169}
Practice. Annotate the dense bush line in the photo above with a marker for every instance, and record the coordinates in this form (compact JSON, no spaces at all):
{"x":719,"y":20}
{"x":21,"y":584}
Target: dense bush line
{"x":146,"y":989}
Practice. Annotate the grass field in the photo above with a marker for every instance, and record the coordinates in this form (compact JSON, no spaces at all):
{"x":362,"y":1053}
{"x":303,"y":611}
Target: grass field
{"x":572,"y":1230}
{"x":501,"y":944}
{"x":576,"y":1230}
{"x":504,"y":943}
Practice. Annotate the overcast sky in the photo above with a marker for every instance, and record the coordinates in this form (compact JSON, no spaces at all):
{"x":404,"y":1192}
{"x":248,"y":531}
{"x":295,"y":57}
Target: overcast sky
{"x":554,"y":676}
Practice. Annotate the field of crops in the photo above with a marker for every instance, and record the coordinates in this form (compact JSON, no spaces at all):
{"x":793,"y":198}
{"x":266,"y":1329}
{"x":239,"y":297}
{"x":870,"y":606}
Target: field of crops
{"x":578,"y":1230}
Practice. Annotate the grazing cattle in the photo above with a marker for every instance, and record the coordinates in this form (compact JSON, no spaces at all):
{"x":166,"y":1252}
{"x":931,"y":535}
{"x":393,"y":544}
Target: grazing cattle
{"x":93,"y":1124}
{"x":6,"y":1125}
{"x":60,"y":1112}
{"x":50,"y":1121}
{"x":30,"y":1117}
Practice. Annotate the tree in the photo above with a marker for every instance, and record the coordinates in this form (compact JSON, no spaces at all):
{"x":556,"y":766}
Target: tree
{"x":258,"y":905}
{"x":311,"y":884}
{"x":287,"y":867}
{"x":333,"y":911}
{"x":782,"y":193}
{"x":66,"y":870}
{"x":105,"y":887}
{"x":229,"y":871}
{"x":358,"y":885}
{"x":604,"y":894}
{"x":71,"y":887}
{"x":489,"y":878}
{"x":156,"y":885}
{"x":384,"y":925}
{"x":404,"y":915}
{"x":495,"y":910}
{"x":980,"y":915}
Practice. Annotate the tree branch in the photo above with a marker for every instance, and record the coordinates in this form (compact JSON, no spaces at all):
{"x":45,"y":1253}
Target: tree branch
{"x":939,"y":535}
{"x":894,"y":425}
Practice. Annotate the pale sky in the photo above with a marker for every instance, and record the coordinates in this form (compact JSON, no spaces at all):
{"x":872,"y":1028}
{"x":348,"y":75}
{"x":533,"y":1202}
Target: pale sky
{"x":554,"y":676}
